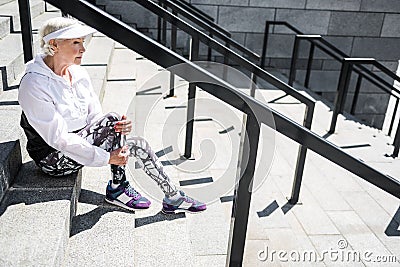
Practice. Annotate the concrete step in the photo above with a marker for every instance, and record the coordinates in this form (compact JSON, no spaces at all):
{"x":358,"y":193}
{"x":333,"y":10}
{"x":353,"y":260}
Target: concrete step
{"x":35,"y":218}
{"x":12,"y":59}
{"x":97,"y":61}
{"x":2,"y":2}
{"x":10,"y":143}
{"x":11,"y":10}
{"x":121,"y":81}
{"x":93,"y":238}
{"x":10,"y":162}
{"x":5,"y":27}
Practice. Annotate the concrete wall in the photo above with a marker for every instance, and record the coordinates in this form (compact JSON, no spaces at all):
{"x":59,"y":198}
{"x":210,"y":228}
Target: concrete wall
{"x":360,"y":28}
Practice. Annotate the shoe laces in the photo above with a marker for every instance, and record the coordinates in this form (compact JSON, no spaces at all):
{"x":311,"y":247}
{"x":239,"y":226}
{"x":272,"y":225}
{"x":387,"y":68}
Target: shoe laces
{"x":130,"y":191}
{"x":188,"y":199}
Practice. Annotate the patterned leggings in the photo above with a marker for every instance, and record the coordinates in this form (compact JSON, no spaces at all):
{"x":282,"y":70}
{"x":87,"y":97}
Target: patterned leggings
{"x":102,"y":134}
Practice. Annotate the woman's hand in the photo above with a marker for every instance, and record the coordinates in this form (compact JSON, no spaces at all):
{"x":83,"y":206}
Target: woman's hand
{"x":124,"y":126}
{"x":119,"y":156}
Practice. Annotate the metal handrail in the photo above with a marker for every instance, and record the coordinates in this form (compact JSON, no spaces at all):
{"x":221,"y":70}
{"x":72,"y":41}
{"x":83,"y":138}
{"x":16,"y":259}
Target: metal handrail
{"x":194,"y":10}
{"x":227,"y":52}
{"x":266,"y":34}
{"x":321,"y":43}
{"x":325,"y":46}
{"x":183,"y":10}
{"x":256,"y":111}
{"x":357,"y":66}
{"x":214,"y":29}
{"x":315,"y":41}
{"x":343,"y":86}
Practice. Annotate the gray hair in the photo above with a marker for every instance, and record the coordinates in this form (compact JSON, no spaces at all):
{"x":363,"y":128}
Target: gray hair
{"x":50,"y":26}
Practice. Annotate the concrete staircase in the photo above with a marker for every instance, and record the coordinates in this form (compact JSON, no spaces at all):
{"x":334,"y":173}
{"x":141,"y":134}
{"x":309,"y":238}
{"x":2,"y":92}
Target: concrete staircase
{"x":42,"y":223}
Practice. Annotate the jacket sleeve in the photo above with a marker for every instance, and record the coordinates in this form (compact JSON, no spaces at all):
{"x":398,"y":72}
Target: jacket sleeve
{"x":41,"y":113}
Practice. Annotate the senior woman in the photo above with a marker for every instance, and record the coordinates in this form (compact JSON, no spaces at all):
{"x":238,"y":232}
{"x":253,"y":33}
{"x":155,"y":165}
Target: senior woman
{"x":66,"y":129}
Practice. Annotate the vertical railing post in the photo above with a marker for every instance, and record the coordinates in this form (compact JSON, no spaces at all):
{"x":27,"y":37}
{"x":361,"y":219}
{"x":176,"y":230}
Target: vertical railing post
{"x":396,"y":142}
{"x":309,"y":65}
{"x":26,"y":28}
{"x":174,"y":34}
{"x":194,"y":54}
{"x":164,"y":29}
{"x":159,"y":24}
{"x":265,"y":44}
{"x":356,"y":94}
{"x":301,"y":158}
{"x":253,"y":86}
{"x":209,"y":50}
{"x":292,"y":73}
{"x":243,"y":191}
{"x":225,"y":68}
{"x":396,"y":106}
{"x":344,"y":80}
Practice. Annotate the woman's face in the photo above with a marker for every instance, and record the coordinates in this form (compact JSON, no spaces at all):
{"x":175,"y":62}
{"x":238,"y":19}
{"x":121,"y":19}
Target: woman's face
{"x":71,"y":50}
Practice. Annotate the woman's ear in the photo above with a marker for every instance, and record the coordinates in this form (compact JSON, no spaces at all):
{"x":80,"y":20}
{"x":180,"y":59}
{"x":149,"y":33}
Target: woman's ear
{"x":53,"y":45}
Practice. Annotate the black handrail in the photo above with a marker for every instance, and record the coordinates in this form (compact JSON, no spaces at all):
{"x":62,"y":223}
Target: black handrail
{"x":189,"y":29}
{"x":344,"y":81}
{"x":266,"y":35}
{"x":189,"y":14}
{"x":214,"y":29}
{"x":194,"y":10}
{"x":322,"y":44}
{"x":326,"y":47}
{"x":255,"y":110}
{"x":181,"y":4}
{"x":356,"y":66}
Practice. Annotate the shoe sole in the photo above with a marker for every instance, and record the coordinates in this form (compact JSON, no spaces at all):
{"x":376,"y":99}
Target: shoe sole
{"x":122,"y":205}
{"x":179,"y":211}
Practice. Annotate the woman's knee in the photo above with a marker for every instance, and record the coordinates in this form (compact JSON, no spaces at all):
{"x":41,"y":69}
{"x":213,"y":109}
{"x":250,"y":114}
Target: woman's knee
{"x":138,"y":141}
{"x":112,"y":116}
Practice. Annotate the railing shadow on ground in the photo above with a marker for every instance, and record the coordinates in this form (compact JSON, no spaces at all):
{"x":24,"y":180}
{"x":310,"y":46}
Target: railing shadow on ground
{"x":273,"y":206}
{"x":393,"y":229}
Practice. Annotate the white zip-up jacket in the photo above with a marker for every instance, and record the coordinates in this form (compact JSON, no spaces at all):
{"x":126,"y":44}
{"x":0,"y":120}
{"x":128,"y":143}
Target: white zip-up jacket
{"x":55,"y":109}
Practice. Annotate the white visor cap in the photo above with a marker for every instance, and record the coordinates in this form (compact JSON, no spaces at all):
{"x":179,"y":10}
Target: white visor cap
{"x":76,"y":30}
